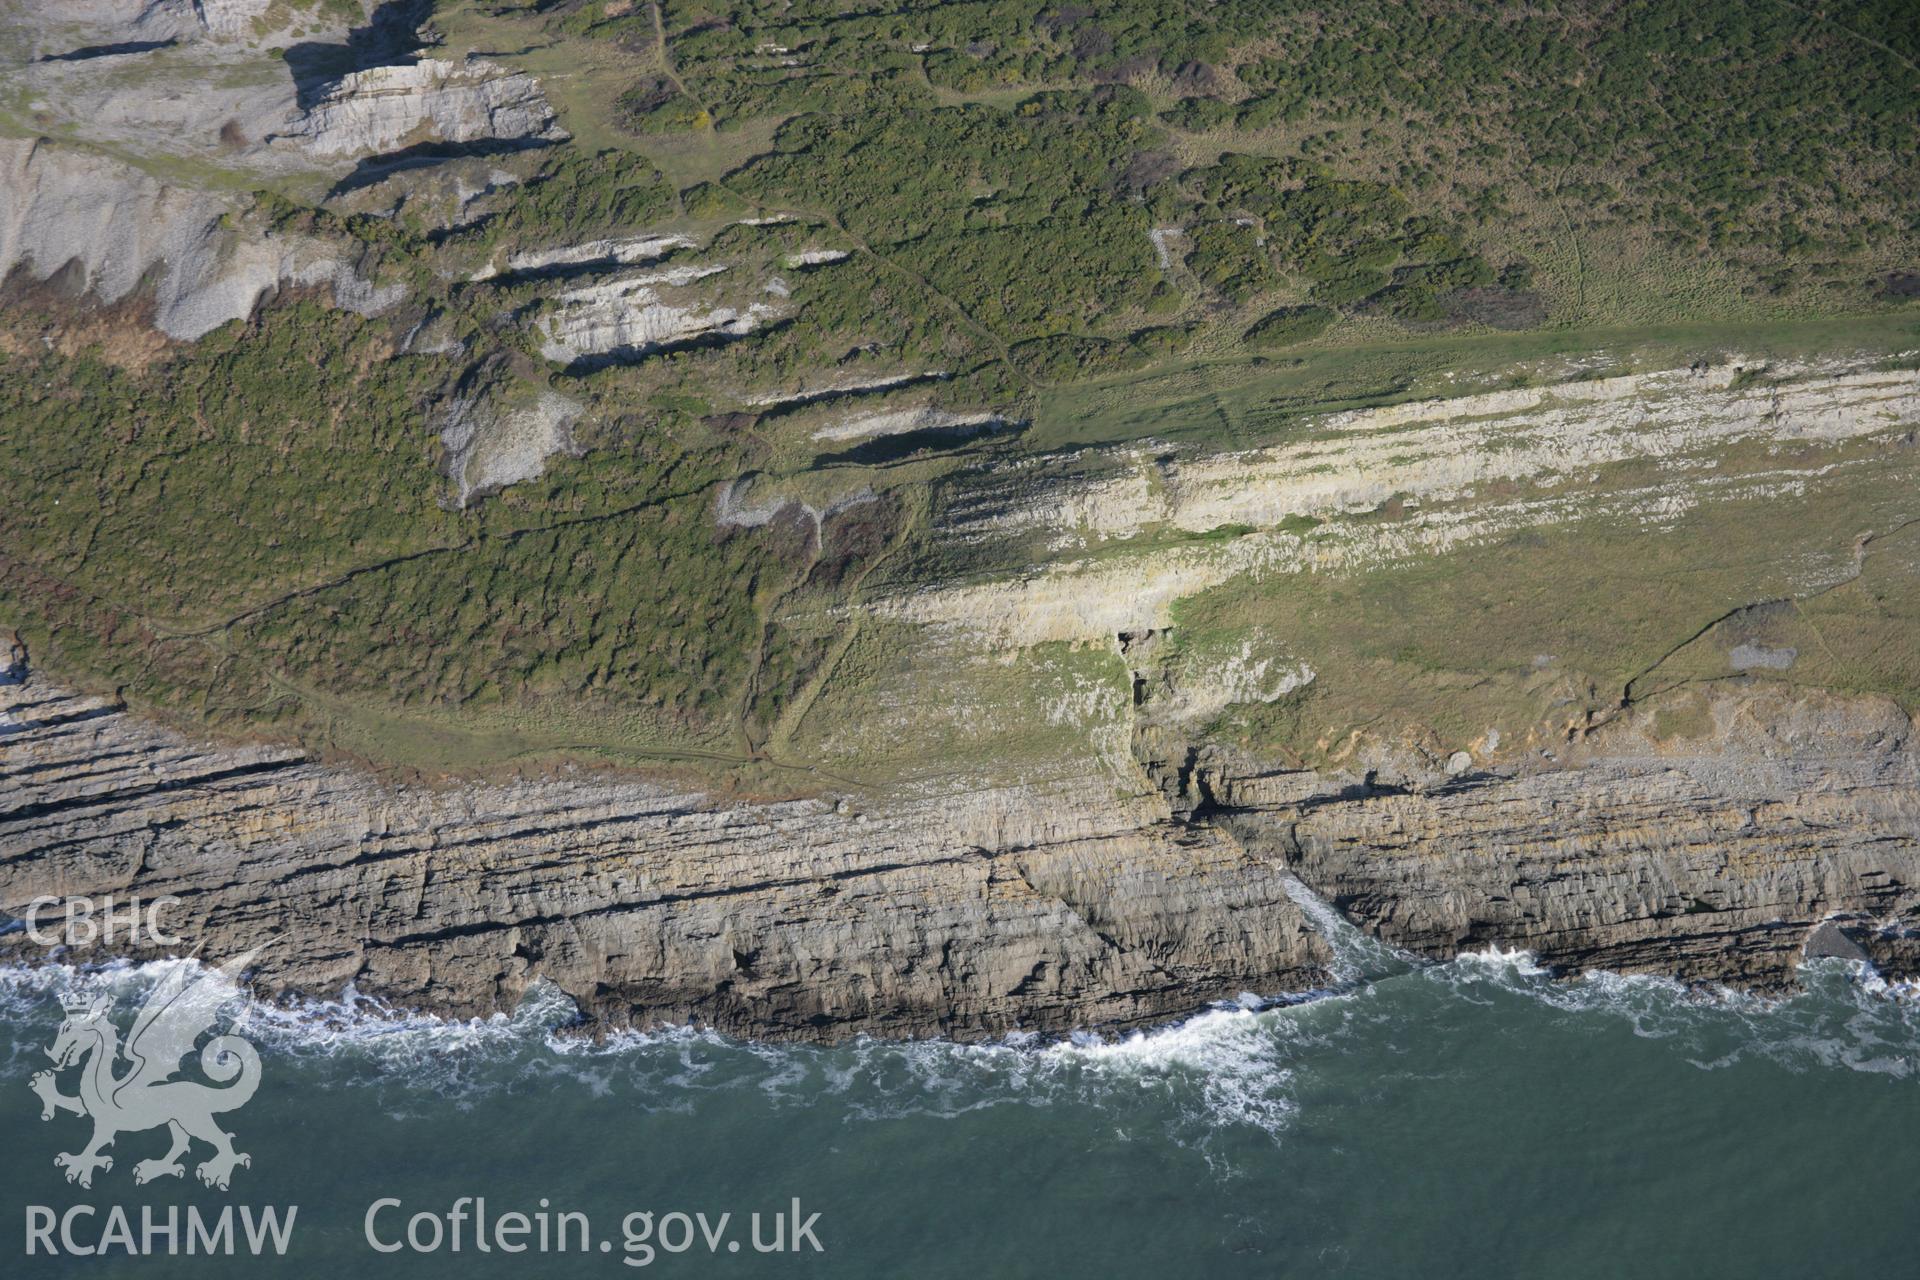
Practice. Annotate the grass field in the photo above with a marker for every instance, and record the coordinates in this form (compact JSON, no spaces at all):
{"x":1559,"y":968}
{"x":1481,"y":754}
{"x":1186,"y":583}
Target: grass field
{"x":1241,"y":400}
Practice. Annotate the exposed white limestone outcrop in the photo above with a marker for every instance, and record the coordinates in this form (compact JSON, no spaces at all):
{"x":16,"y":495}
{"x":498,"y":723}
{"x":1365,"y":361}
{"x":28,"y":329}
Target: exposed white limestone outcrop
{"x":109,"y":21}
{"x":892,"y":422}
{"x":814,"y":258}
{"x":1101,"y":596}
{"x":1433,"y":457}
{"x":112,"y":225}
{"x":1445,"y":449}
{"x":168,"y":103}
{"x":644,"y":312}
{"x":167,"y":93}
{"x":387,"y":108}
{"x":747,"y":503}
{"x":490,"y":446}
{"x":1163,"y":239}
{"x":205,"y":80}
{"x":435,"y":335}
{"x":1759,"y":657}
{"x":1201,"y":679}
{"x":628,"y":251}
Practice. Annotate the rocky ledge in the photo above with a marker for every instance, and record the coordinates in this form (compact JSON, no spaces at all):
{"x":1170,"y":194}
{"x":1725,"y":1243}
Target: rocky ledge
{"x":1716,"y":858}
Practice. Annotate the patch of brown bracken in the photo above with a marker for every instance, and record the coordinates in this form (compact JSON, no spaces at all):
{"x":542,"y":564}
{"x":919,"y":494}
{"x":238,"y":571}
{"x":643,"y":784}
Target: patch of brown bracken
{"x":56,"y":315}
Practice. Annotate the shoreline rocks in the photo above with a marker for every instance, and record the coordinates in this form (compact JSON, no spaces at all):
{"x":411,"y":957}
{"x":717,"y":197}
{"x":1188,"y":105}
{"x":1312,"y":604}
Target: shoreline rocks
{"x":979,"y":912}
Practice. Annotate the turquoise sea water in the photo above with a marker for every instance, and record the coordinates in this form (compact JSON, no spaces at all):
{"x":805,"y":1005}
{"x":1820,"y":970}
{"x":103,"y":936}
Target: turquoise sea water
{"x":1469,"y":1119}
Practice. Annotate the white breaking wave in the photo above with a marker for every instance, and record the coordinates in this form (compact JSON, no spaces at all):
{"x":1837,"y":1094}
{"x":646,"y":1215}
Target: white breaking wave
{"x":1842,"y":1016}
{"x":1240,"y":1067}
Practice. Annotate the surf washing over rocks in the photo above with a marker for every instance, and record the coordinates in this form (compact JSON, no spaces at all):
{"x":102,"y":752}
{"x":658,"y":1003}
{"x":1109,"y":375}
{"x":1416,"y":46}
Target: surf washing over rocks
{"x":1235,"y":1054}
{"x":1293,"y":1124}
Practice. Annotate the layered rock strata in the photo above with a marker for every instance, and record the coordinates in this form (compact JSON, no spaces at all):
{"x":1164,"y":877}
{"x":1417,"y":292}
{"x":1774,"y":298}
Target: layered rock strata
{"x":982,"y":911}
{"x":1708,"y":859}
{"x":969,"y":914}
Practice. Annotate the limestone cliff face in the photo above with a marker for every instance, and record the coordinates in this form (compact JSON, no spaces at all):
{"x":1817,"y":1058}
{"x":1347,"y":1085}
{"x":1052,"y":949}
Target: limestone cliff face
{"x":105,"y":229}
{"x":132,"y":88}
{"x":968,"y":914}
{"x":384,"y":108}
{"x":977,"y":912}
{"x":1708,"y":858}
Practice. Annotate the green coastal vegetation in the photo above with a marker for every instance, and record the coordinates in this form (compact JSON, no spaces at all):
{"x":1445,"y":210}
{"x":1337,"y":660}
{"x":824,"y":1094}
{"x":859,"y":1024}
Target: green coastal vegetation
{"x":1193,"y":223}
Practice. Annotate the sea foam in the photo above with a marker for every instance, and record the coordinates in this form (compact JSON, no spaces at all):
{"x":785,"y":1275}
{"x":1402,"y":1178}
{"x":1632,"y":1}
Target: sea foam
{"x":1239,"y":1066}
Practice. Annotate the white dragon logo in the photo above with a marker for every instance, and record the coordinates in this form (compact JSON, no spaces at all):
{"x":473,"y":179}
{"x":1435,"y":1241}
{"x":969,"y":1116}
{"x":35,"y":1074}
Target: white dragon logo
{"x":183,"y":1005}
